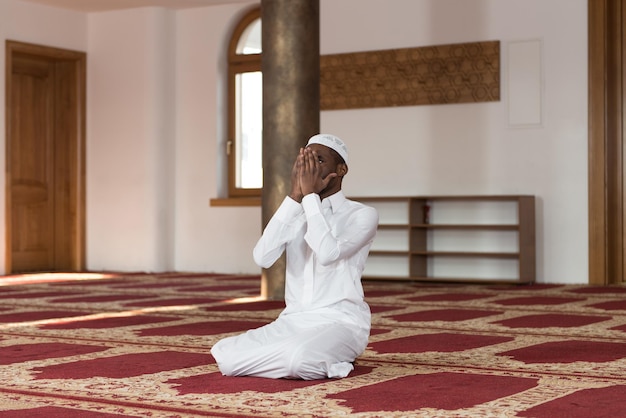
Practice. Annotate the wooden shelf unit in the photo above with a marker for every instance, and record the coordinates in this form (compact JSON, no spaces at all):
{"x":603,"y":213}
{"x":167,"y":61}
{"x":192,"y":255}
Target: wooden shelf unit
{"x":418,"y":227}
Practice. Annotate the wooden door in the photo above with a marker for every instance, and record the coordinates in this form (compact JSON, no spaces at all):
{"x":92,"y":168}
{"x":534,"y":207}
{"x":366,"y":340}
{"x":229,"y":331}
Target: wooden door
{"x":45,"y":159}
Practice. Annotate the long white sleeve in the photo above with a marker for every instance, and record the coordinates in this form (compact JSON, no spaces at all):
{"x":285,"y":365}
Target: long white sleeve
{"x":332,"y":243}
{"x":281,"y":229}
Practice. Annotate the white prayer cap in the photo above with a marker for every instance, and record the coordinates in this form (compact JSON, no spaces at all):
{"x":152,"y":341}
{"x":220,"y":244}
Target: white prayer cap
{"x":332,"y":142}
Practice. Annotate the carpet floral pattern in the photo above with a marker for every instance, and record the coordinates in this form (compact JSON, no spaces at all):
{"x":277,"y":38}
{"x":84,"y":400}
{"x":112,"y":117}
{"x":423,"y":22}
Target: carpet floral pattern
{"x":105,"y":345}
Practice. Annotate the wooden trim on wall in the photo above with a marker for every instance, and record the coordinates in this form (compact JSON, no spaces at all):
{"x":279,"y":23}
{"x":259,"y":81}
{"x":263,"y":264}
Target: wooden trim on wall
{"x":238,"y":64}
{"x":8,"y":70}
{"x":606,"y":132}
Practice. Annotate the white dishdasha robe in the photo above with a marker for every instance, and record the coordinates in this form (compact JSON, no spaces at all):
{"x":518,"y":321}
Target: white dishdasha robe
{"x":326,"y":322}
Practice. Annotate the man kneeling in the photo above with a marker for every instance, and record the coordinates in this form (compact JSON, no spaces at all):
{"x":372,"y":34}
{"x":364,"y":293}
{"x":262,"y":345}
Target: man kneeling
{"x":326,"y":322}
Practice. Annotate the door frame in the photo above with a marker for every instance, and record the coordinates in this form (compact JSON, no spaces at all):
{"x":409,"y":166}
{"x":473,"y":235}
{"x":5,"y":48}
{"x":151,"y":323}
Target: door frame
{"x":79,"y":60}
{"x":607,"y":71}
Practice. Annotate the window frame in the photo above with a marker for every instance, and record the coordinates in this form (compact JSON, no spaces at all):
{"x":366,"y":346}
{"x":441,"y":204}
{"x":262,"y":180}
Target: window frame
{"x":238,"y":64}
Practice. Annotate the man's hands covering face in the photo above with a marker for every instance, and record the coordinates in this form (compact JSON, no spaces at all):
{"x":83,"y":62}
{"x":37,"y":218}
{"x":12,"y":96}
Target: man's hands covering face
{"x":307,"y":175}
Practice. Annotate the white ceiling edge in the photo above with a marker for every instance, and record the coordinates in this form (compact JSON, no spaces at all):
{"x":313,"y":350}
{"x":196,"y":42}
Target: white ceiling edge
{"x":106,"y":5}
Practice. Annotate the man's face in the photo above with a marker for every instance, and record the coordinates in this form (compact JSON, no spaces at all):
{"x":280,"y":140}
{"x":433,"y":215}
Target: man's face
{"x":326,"y":159}
{"x":328,"y":162}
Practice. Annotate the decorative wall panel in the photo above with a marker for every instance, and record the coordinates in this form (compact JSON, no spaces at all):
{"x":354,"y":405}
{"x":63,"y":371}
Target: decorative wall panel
{"x":454,"y":73}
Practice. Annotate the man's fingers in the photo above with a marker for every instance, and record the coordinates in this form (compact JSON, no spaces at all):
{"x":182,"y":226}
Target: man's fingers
{"x":309,"y":159}
{"x":328,"y":178}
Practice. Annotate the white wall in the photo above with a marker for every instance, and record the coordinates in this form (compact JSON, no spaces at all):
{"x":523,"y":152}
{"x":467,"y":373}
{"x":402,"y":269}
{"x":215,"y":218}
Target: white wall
{"x":207,"y":238}
{"x":154,"y":121}
{"x":470,"y":148}
{"x":444,"y":149}
{"x":131,"y":139}
{"x":156,"y":131}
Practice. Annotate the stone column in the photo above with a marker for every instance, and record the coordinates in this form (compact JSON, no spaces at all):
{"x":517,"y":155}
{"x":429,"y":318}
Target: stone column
{"x":291,"y":105}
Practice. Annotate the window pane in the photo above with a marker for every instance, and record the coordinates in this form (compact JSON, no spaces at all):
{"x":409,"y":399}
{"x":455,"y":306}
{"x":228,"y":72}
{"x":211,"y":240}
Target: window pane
{"x":250,"y":40}
{"x":249,"y":144}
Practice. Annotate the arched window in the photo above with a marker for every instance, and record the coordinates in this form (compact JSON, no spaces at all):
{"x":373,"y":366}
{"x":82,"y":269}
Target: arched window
{"x":245,"y":108}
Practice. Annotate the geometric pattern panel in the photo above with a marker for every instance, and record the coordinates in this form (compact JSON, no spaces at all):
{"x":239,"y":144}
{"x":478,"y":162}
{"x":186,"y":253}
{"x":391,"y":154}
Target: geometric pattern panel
{"x":440,"y":74}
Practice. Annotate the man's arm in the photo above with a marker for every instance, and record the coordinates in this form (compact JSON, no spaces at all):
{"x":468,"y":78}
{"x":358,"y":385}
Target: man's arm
{"x":283,"y":225}
{"x":329,"y":246}
{"x":281,"y":229}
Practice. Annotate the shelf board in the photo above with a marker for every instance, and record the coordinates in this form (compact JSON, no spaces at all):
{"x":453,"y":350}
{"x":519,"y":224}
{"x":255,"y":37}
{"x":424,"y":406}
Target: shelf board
{"x":471,"y":254}
{"x":387,"y":278}
{"x":477,"y":254}
{"x":467,"y":280}
{"x":475,"y":198}
{"x":382,"y":199}
{"x":492,"y":227}
{"x":442,"y":197}
{"x":431,"y":279}
{"x":393,"y":226}
{"x":389,"y":252}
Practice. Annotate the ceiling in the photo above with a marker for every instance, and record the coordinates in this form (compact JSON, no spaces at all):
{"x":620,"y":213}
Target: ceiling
{"x":104,"y":5}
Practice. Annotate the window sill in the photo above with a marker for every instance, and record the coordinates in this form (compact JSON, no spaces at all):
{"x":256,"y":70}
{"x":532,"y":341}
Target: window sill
{"x":235,"y":201}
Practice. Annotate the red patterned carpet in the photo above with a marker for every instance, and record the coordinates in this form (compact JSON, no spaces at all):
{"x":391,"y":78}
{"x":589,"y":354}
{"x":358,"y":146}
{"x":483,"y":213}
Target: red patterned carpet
{"x":138,"y":345}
